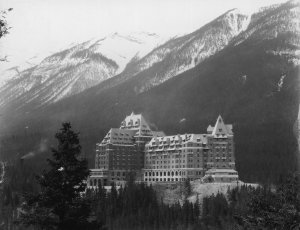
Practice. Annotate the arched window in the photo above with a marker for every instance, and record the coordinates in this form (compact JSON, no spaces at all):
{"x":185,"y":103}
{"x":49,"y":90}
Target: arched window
{"x":176,"y":173}
{"x":146,"y":173}
{"x":168,"y":173}
{"x":172,"y":173}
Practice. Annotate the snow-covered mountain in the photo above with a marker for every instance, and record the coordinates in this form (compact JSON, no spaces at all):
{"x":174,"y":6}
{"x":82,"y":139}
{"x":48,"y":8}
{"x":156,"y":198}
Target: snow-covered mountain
{"x":75,"y":69}
{"x":122,"y":49}
{"x":62,"y":74}
{"x":277,"y":22}
{"x":115,"y":59}
{"x":183,"y":53}
{"x":280,"y":22}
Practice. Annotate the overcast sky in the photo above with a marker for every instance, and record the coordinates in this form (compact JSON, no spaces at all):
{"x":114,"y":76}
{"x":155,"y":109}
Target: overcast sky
{"x":40,"y":27}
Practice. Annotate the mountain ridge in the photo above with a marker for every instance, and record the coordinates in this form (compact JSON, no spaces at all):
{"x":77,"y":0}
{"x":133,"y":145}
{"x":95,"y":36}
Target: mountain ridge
{"x":72,"y":70}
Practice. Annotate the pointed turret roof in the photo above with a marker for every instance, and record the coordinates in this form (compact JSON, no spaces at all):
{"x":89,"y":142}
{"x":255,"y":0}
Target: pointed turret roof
{"x":136,"y":122}
{"x":221,"y":128}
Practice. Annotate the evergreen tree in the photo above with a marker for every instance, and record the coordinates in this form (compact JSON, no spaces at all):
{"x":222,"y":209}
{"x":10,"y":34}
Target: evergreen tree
{"x":61,"y":203}
{"x":187,"y":188}
{"x":280,"y":209}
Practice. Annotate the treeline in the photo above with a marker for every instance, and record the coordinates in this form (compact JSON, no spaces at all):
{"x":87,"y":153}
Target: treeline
{"x":20,"y":179}
{"x":135,"y":206}
{"x":263,"y":207}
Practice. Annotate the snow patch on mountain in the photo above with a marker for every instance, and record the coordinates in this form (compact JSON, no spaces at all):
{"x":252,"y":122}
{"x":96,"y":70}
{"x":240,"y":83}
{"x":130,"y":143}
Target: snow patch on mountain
{"x":123,"y":48}
{"x":182,"y":53}
{"x":76,"y":68}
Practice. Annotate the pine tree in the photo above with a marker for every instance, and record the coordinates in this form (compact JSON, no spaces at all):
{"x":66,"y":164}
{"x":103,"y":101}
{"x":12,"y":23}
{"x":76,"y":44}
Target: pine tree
{"x":280,"y":209}
{"x":187,"y":188}
{"x":61,"y":203}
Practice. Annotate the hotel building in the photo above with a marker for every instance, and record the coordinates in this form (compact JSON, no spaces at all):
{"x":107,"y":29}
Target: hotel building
{"x":152,"y":157}
{"x":192,"y":156}
{"x":121,"y":152}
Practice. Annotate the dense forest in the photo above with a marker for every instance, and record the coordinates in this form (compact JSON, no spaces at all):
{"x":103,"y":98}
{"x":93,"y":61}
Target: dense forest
{"x":136,"y":206}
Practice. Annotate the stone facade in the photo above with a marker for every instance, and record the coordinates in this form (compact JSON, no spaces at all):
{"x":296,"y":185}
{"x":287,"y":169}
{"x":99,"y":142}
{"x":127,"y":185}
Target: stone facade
{"x":121,"y":152}
{"x":150,"y":156}
{"x":188,"y":157}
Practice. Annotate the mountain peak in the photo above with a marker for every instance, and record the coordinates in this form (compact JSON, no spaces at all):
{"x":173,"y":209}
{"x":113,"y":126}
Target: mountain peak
{"x":233,"y":11}
{"x":236,"y":11}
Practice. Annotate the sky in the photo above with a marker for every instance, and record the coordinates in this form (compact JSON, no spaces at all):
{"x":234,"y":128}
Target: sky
{"x":42,"y":27}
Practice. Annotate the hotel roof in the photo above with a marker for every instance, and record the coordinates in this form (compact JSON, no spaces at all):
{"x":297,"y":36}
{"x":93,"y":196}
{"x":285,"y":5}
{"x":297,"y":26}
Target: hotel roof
{"x":220,"y":128}
{"x":132,"y":126}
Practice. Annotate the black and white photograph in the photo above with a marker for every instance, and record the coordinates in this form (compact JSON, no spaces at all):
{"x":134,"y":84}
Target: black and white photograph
{"x":149,"y":115}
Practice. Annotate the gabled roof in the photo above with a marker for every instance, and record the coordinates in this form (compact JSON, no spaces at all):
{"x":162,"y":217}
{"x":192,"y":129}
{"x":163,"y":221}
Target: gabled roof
{"x":136,"y":122}
{"x":131,"y":127}
{"x":158,"y":134}
{"x":210,"y":129}
{"x":114,"y":135}
{"x":220,"y":128}
{"x":182,"y":138}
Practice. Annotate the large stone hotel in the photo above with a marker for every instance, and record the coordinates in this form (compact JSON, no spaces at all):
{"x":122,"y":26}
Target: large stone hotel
{"x":121,"y":152}
{"x":153,"y":157}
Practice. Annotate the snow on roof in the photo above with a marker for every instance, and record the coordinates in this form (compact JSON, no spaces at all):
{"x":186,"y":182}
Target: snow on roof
{"x":132,"y":126}
{"x":183,"y":137}
{"x":220,"y":128}
{"x":158,"y":133}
